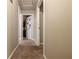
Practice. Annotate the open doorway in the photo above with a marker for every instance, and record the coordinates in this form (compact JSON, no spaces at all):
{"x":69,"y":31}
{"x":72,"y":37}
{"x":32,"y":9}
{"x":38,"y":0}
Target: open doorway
{"x":27,"y":27}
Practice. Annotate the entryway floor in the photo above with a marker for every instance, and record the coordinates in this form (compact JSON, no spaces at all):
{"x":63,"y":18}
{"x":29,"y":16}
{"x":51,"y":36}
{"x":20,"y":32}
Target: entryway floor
{"x":26,"y":50}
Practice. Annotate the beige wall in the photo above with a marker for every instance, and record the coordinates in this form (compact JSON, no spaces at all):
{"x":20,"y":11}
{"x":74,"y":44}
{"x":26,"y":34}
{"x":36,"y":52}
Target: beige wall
{"x":58,"y":29}
{"x":12,"y":26}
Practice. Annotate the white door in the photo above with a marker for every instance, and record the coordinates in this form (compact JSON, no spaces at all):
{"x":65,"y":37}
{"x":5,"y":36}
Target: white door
{"x":29,"y":27}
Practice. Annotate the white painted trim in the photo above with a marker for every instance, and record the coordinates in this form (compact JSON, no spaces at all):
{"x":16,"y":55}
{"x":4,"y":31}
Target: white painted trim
{"x":44,"y":5}
{"x":28,"y":14}
{"x":44,"y":15}
{"x":13,"y":52}
{"x":44,"y":57}
{"x":20,"y":28}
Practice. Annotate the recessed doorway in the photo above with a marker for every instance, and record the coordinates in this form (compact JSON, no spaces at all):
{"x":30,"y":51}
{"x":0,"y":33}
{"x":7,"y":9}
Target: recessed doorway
{"x":27,"y":27}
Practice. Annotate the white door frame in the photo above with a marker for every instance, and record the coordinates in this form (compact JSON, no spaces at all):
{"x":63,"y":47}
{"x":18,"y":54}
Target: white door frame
{"x":44,"y":5}
{"x":32,"y":17}
{"x":44,"y":10}
{"x":38,"y":21}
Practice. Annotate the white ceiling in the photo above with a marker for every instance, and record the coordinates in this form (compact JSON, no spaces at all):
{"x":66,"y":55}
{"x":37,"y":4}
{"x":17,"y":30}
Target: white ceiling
{"x":27,"y":4}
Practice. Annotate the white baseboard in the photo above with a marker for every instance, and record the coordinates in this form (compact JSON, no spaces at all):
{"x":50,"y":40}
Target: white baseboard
{"x":44,"y":57}
{"x":13,"y":52}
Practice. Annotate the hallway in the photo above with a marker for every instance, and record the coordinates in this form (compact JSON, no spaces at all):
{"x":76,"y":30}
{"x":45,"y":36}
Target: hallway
{"x":49,"y":31}
{"x":28,"y":51}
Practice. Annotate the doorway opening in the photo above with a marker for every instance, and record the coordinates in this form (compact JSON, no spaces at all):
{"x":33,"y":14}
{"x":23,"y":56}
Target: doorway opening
{"x":27,"y":27}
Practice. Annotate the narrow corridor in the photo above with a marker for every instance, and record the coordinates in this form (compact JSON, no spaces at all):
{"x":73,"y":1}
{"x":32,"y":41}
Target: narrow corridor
{"x":42,"y":29}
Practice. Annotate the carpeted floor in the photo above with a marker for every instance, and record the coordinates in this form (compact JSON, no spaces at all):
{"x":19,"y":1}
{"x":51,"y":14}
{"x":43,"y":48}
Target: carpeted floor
{"x":28,"y":52}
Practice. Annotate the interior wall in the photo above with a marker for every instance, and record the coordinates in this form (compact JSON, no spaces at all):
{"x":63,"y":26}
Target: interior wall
{"x":12,"y":26}
{"x":37,"y":26}
{"x":58,"y":29}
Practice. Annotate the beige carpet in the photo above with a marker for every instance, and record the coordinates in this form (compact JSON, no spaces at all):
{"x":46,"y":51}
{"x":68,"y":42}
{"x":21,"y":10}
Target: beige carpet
{"x":26,"y":42}
{"x":28,"y":52}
